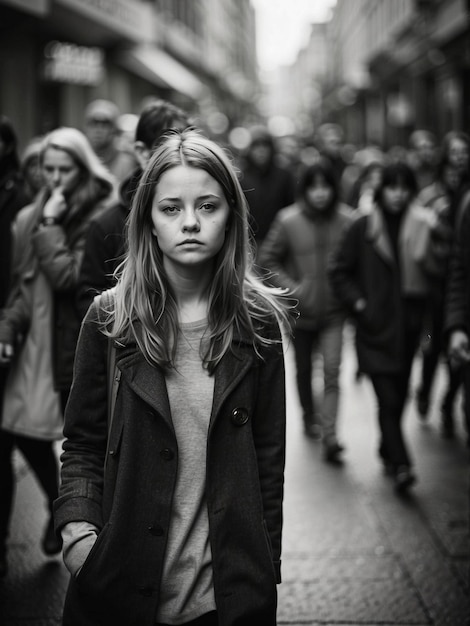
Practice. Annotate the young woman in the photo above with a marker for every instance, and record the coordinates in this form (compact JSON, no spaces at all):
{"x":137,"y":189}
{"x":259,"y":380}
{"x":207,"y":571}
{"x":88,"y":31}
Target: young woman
{"x":39,"y":327}
{"x":375,"y":274}
{"x":296,"y":253}
{"x":175,"y":517}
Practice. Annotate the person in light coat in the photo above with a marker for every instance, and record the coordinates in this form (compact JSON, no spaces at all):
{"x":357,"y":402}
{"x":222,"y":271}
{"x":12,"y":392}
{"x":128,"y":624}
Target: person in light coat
{"x":296,"y":253}
{"x":39,"y":326}
{"x":171,"y":508}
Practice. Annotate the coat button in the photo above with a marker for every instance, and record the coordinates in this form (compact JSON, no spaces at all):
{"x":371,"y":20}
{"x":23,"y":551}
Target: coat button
{"x":167,"y":454}
{"x":156,"y":531}
{"x":240,"y":416}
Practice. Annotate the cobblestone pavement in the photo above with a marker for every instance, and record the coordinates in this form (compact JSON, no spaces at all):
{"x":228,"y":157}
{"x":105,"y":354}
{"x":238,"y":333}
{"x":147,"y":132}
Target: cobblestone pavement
{"x":354,"y":552}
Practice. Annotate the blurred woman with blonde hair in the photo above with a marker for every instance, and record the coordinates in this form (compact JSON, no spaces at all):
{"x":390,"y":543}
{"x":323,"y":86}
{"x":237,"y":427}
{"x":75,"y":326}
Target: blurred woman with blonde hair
{"x":39,"y":327}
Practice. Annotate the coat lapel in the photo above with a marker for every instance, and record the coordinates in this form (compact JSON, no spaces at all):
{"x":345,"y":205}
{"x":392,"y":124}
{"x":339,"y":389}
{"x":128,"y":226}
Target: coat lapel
{"x":147,"y":381}
{"x":376,"y":233}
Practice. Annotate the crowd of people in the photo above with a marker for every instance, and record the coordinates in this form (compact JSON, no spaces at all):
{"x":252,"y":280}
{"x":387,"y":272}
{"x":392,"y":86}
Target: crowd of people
{"x":145,"y":291}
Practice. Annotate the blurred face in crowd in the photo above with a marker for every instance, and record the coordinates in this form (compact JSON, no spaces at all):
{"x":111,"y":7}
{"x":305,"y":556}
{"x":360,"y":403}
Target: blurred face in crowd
{"x":451,"y":177}
{"x":33,"y":172}
{"x":458,"y":154}
{"x":260,"y":153}
{"x":319,"y":194}
{"x":60,"y":170}
{"x":100,"y":132}
{"x":426,"y":151}
{"x":396,"y":197}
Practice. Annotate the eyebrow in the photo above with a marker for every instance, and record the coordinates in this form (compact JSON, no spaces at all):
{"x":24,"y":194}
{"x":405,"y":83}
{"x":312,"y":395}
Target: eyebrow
{"x":177,"y":199}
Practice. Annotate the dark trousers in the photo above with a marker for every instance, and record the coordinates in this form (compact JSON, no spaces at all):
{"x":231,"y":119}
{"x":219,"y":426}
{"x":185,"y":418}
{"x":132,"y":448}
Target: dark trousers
{"x":41,"y":458}
{"x":433,"y":348}
{"x":391,"y":390}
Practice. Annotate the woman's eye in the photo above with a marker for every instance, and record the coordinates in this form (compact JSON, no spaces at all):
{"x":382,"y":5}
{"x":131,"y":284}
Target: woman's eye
{"x":207,"y":206}
{"x":170,"y":210}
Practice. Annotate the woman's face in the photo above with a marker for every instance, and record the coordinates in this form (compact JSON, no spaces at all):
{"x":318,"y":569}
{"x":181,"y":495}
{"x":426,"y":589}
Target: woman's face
{"x":395,"y":197}
{"x":190,"y":215}
{"x":60,"y":170}
{"x":319,"y":193}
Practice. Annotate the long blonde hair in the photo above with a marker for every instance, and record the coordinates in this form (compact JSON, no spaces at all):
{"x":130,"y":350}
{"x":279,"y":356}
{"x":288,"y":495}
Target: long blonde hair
{"x":145,"y":308}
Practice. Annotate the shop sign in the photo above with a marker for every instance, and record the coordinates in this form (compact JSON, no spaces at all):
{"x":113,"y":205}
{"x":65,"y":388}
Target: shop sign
{"x":69,"y":63}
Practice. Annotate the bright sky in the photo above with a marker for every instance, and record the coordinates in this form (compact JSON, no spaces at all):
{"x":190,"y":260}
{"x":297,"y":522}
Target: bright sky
{"x":283,"y":27}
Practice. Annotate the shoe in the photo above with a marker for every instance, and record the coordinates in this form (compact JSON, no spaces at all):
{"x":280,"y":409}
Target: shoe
{"x":422,"y":404}
{"x":333,"y":452}
{"x":404,"y":478}
{"x":51,"y":543}
{"x":312,"y":430}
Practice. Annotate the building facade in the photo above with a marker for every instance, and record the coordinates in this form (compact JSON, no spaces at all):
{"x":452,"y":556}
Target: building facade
{"x":58,"y":55}
{"x":382,"y":68}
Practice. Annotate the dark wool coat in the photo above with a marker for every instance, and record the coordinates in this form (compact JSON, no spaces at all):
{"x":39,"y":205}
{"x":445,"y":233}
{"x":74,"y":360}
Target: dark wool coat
{"x":120,"y":580}
{"x":105,"y":246}
{"x":457,"y":304}
{"x":364,"y":266}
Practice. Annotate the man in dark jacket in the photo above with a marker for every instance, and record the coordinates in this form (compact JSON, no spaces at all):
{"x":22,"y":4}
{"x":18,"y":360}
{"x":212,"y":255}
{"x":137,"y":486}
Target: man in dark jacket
{"x":268,"y":187}
{"x":457,"y":304}
{"x":105,"y":244}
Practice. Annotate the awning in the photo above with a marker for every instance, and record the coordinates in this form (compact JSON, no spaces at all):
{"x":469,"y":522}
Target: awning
{"x":157,"y":67}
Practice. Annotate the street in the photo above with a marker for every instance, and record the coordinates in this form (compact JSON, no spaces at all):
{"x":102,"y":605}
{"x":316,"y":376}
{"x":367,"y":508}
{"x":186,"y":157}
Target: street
{"x":353,"y":552}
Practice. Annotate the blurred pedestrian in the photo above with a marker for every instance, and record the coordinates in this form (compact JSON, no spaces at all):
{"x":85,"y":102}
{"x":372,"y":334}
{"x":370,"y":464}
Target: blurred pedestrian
{"x":102,"y":130}
{"x":105,"y":241}
{"x":31,"y":168}
{"x":296,"y":251}
{"x":330,"y":143}
{"x":423,"y":156}
{"x":267,"y":186}
{"x":457,"y":308}
{"x":12,"y":199}
{"x":456,"y":148}
{"x":366,"y":186}
{"x":173,"y":528}
{"x":441,"y":198}
{"x":375,"y":275}
{"x":39,"y":326}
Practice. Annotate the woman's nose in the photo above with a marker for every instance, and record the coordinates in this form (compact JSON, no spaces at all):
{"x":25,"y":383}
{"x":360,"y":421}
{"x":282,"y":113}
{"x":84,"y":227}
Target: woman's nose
{"x":191,"y":220}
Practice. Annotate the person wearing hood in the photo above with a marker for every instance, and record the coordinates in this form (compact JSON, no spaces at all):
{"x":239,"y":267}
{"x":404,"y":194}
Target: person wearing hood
{"x":268,"y":187}
{"x":105,"y":244}
{"x":296,"y":252}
